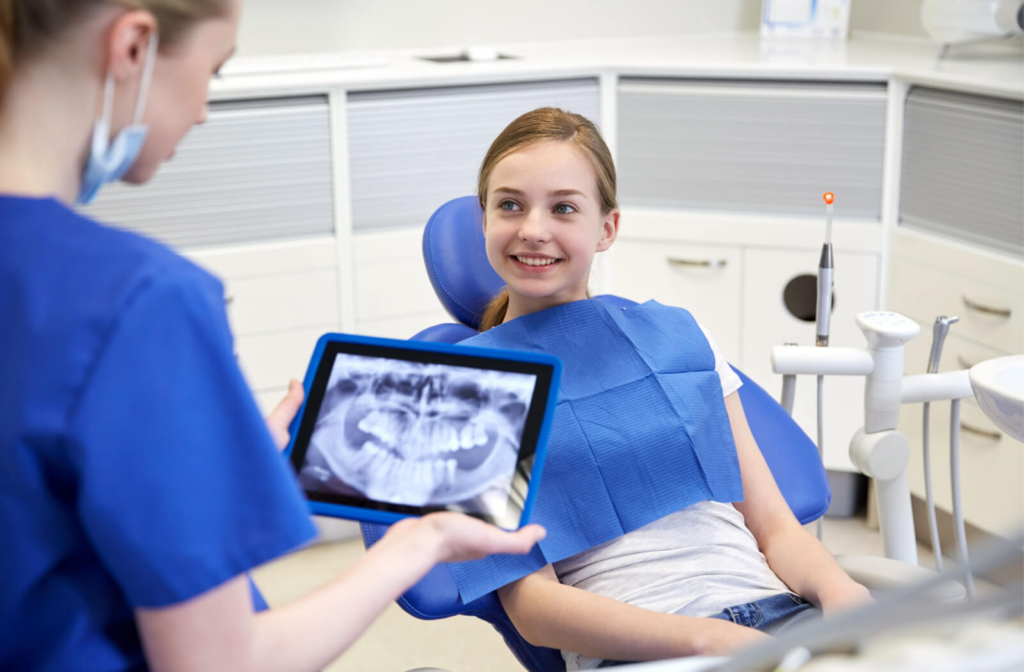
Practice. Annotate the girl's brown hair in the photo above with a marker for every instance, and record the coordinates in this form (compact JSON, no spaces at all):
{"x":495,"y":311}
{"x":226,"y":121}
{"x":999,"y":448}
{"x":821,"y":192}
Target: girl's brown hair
{"x":546,"y":124}
{"x":27,"y":26}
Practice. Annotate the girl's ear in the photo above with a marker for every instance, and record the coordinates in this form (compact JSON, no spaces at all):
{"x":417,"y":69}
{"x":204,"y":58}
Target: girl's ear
{"x":609,"y":230}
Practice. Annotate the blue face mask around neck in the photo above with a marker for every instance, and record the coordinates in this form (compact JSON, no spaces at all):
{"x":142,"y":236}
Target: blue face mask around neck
{"x":109,"y":161}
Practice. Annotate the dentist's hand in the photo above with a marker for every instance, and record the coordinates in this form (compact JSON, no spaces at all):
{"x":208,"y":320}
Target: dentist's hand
{"x":456,"y":537}
{"x":281,"y":417}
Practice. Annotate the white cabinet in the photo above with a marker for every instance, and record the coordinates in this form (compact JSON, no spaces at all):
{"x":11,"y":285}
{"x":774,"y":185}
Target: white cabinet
{"x":931,"y":277}
{"x":412,"y":150}
{"x":731,"y":272}
{"x":991,"y":463}
{"x":704,"y":279}
{"x":393,"y":295}
{"x":257,"y":170}
{"x":767,"y":323}
{"x":281,"y":297}
{"x":762,"y":147}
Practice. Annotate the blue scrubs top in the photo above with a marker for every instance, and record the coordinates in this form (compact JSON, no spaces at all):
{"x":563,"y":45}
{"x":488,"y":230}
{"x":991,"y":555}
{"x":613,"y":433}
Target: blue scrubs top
{"x":135,"y":468}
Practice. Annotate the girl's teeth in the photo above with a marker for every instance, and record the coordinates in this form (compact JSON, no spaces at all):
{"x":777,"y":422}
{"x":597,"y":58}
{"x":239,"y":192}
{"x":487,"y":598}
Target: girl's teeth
{"x":530,"y":261}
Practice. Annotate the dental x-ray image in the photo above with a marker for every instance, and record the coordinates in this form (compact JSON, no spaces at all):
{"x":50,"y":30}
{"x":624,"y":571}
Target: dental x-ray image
{"x":419,"y":434}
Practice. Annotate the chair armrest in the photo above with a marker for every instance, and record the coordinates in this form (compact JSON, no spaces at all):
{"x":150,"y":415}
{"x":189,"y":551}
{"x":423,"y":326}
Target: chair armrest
{"x":882,"y":575}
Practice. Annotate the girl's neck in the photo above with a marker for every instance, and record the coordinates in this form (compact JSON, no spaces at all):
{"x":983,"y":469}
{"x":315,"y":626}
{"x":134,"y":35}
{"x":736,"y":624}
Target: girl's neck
{"x":519,"y":305}
{"x":44,"y":134}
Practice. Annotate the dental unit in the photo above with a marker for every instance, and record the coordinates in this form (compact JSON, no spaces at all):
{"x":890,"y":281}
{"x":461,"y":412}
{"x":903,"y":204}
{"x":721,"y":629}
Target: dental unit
{"x":878,"y":449}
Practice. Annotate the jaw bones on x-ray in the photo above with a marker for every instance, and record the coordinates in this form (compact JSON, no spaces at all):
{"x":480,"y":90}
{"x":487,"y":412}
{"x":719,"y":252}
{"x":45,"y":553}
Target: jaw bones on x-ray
{"x":419,"y":434}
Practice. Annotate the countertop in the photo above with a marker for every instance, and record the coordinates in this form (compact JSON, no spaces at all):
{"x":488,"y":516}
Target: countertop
{"x":987,"y":70}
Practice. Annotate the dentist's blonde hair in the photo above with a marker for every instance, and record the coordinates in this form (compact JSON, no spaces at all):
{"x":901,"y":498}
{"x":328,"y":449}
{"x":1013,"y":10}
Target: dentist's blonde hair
{"x":28,"y":26}
{"x":546,"y":124}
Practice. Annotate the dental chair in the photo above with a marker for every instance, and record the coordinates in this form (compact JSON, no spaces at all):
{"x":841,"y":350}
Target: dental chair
{"x":465,"y":282}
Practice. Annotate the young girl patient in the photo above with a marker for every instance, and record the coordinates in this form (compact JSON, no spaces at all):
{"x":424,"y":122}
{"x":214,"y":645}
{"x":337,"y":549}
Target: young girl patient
{"x":707,"y":579}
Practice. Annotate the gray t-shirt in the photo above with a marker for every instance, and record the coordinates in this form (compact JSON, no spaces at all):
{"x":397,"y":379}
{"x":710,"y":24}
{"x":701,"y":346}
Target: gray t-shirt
{"x":694,"y":562}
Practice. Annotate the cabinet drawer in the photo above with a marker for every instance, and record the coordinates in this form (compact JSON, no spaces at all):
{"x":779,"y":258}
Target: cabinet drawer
{"x":706,"y":280}
{"x":269,"y":361}
{"x":989,"y":314}
{"x":390,"y":277}
{"x":991,"y":463}
{"x":277,"y":302}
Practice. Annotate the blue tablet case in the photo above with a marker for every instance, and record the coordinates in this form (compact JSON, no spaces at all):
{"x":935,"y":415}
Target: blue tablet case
{"x":380,"y":516}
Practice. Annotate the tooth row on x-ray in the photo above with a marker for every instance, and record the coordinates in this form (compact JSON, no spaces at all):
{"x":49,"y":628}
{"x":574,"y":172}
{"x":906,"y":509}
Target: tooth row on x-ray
{"x":422,"y":434}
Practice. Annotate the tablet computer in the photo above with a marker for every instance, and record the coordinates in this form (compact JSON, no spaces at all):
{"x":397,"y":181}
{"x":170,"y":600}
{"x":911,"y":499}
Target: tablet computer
{"x":391,"y":429}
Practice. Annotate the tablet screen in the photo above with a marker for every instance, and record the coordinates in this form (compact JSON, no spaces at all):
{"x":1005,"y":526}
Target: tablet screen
{"x":415,"y":431}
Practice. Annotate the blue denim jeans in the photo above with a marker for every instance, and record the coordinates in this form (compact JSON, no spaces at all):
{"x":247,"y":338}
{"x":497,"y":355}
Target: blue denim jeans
{"x":768,"y":615}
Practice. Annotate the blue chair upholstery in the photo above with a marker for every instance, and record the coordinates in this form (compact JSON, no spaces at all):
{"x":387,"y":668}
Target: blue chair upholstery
{"x":453,"y":249}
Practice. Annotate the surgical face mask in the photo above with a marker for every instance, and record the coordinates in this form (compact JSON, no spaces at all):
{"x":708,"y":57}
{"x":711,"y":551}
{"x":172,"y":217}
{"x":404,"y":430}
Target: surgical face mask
{"x":109,"y":161}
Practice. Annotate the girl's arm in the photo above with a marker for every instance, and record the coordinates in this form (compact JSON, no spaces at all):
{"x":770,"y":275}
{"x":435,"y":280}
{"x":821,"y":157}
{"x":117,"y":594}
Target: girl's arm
{"x":547,"y":613}
{"x":218,"y":630}
{"x":794,"y":554}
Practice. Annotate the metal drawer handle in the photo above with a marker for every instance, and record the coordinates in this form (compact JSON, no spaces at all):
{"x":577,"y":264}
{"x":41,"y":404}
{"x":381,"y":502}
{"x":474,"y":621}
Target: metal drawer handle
{"x":995,"y":436}
{"x":982,"y":308}
{"x":698,"y":263}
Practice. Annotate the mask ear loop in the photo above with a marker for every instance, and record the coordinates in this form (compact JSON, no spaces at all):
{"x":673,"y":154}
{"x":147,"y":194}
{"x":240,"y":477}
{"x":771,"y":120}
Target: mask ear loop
{"x":147,"y":77}
{"x":108,"y":100}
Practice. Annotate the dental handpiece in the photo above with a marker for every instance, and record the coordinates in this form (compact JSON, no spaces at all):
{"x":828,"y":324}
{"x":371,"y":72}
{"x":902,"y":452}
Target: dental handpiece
{"x":825,"y":269}
{"x":939,"y":332}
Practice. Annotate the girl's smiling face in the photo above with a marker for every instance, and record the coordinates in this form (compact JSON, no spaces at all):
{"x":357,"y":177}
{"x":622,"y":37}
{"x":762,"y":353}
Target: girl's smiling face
{"x":543,"y":224}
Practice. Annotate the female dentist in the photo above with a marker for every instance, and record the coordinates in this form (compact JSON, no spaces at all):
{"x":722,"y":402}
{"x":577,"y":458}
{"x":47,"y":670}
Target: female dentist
{"x":138,"y":482}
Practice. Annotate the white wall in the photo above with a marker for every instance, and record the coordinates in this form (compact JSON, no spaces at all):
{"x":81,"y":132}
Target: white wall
{"x":901,"y":17}
{"x":283,"y":26}
{"x":286,"y":26}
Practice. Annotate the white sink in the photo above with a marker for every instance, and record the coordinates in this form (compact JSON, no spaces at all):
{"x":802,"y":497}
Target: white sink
{"x":999,"y":386}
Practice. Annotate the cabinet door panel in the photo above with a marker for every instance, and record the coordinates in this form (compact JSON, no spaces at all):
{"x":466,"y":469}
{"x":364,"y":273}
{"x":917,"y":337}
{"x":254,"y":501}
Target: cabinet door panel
{"x":768,"y":323}
{"x":706,"y":280}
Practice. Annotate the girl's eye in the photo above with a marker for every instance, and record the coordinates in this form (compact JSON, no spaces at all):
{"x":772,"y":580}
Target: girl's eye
{"x":508,"y":206}
{"x":564,"y":209}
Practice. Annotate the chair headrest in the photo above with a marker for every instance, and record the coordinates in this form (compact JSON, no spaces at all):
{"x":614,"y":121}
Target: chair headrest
{"x":453,"y":250}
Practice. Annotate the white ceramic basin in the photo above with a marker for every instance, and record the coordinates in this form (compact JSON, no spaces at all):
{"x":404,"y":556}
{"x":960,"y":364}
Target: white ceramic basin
{"x":999,"y":387}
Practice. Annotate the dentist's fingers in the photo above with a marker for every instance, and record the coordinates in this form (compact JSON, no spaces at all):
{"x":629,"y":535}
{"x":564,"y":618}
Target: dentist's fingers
{"x":282,"y":415}
{"x":465,"y":538}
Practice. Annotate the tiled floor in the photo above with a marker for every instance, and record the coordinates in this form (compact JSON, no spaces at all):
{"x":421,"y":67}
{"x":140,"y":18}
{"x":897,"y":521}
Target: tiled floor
{"x":398,"y":642}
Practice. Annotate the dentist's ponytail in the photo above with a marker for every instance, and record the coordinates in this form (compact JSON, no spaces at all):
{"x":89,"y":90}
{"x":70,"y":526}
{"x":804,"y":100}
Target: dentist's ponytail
{"x":546,"y":124}
{"x":28,"y":26}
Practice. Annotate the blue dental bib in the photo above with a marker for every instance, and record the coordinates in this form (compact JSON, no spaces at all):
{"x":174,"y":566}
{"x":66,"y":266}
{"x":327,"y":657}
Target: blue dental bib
{"x":640,"y":430}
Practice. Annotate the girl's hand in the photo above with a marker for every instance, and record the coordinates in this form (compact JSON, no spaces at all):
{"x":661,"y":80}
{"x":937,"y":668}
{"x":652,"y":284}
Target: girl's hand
{"x":281,"y":417}
{"x":455,"y":537}
{"x":847,"y":596}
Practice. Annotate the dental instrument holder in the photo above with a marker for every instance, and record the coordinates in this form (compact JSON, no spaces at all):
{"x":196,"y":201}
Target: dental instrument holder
{"x":939,"y":331}
{"x":878,"y":449}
